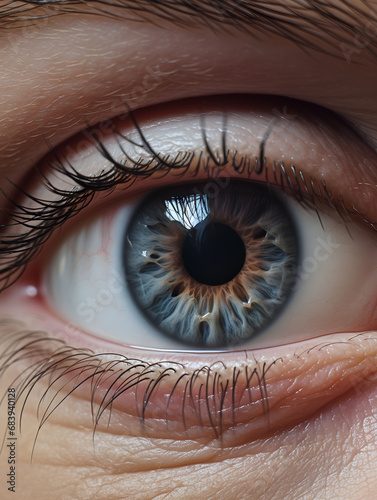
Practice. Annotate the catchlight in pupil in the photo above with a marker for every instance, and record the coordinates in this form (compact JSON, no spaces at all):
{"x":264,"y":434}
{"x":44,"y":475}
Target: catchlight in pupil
{"x":211,"y":270}
{"x":213,"y":253}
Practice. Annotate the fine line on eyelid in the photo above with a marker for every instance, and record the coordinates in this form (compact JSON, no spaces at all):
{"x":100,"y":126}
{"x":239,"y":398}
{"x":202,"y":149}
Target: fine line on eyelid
{"x":334,"y":22}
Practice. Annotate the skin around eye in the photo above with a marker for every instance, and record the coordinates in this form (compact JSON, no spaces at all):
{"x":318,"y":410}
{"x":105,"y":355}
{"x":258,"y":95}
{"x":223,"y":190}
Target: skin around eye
{"x":153,"y":73}
{"x":246,"y":393}
{"x":319,"y":441}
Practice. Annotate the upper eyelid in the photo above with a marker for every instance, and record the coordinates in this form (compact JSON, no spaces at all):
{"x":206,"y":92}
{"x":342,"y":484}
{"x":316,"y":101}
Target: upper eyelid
{"x":61,"y":110}
{"x":304,"y":188}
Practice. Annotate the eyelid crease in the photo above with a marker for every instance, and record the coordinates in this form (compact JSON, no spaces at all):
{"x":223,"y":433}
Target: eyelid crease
{"x":40,"y":221}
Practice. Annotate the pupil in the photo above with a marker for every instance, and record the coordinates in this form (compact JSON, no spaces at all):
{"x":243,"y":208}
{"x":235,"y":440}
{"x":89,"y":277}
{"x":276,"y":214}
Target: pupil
{"x":213,"y":253}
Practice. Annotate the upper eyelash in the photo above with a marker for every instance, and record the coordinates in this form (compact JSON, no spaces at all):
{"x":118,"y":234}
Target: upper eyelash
{"x":17,"y":251}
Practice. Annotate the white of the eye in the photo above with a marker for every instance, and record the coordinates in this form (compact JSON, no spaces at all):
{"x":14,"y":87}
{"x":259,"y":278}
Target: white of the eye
{"x":86,"y":285}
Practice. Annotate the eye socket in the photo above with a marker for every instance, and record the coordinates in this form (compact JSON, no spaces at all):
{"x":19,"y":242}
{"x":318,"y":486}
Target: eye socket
{"x":91,"y":292}
{"x":242,"y":385}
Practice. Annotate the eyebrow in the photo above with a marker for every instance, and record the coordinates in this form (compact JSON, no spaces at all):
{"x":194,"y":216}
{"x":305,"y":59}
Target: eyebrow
{"x":325,"y":25}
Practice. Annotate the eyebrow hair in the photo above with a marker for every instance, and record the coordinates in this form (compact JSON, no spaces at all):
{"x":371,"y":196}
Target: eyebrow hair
{"x":328,"y":26}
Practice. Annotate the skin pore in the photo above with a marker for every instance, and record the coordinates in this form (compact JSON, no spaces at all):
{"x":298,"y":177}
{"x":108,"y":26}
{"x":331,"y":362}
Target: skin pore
{"x":277,"y":419}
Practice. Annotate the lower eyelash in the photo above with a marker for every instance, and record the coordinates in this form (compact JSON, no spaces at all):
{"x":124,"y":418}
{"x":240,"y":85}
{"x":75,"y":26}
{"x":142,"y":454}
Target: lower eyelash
{"x":40,"y":221}
{"x":213,"y":403}
{"x":67,"y":369}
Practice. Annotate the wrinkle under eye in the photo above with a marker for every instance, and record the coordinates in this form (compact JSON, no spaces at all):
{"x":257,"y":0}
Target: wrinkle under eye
{"x":238,"y":399}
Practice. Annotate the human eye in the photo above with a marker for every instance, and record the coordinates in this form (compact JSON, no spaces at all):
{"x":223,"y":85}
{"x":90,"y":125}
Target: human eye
{"x":134,"y":113}
{"x":131,"y":159}
{"x":277,"y":262}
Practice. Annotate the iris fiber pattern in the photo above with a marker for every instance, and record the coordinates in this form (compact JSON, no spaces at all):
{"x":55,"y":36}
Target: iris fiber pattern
{"x":187,"y":308}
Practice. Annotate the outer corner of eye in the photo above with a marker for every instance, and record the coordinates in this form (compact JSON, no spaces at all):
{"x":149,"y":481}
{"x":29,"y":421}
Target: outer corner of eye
{"x":184,"y":269}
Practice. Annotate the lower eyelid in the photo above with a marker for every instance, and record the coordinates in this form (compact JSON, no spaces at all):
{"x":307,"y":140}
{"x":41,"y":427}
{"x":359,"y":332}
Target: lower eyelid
{"x":237,"y":402}
{"x":233,"y":398}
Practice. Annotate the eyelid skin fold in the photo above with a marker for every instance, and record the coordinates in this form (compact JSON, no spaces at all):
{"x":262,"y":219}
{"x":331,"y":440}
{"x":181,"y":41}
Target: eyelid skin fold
{"x":259,"y":137}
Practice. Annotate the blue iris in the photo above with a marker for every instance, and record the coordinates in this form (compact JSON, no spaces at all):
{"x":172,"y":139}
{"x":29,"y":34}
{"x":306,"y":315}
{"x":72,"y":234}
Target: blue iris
{"x":211,"y":270}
